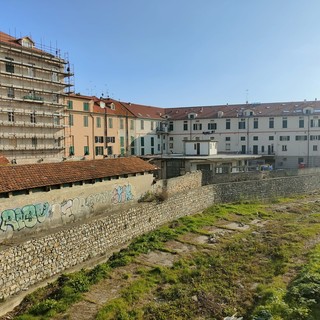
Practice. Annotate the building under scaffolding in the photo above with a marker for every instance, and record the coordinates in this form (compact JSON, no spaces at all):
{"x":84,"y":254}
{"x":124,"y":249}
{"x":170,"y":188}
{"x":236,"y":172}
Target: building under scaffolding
{"x":35,"y":81}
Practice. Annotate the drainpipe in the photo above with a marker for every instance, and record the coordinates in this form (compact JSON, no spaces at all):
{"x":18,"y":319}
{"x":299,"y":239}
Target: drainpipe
{"x":93,"y":139}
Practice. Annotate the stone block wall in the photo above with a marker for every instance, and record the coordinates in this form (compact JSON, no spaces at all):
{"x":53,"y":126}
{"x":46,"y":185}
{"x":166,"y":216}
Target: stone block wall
{"x":39,"y":259}
{"x":35,"y":260}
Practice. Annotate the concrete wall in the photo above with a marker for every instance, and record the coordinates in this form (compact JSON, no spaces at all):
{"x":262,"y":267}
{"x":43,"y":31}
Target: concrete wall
{"x":35,"y":260}
{"x":23,"y":215}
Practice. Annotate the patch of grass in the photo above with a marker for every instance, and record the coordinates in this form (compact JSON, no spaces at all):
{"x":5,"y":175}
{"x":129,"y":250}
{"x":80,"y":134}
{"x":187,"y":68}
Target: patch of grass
{"x":211,"y":282}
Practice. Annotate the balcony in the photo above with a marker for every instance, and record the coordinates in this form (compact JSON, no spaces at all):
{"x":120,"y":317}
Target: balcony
{"x":33,"y":97}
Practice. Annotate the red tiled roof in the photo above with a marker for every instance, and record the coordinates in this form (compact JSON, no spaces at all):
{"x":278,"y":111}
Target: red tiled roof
{"x":3,"y":160}
{"x":237,"y":110}
{"x":22,"y":177}
{"x":145,"y":112}
{"x":6,"y":38}
{"x":119,"y":109}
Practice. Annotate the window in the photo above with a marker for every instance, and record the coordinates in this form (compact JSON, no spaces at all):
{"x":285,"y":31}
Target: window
{"x":70,"y":105}
{"x":284,"y":123}
{"x":243,"y":138}
{"x":142,"y":141}
{"x":110,"y":123}
{"x":98,"y":139}
{"x":242,"y":124}
{"x":152,"y":142}
{"x":255,"y":123}
{"x":315,"y":148}
{"x":284,"y":138}
{"x":86,"y":150}
{"x":212,"y":126}
{"x":313,"y":137}
{"x":57,"y":142}
{"x":142,"y":151}
{"x":31,"y":71}
{"x":121,"y":124}
{"x":197,"y":126}
{"x":255,"y":149}
{"x":98,"y":122}
{"x":171,"y":126}
{"x":70,"y":119}
{"x":262,"y":149}
{"x":141,"y":124}
{"x":301,"y":122}
{"x":170,"y":145}
{"x":228,"y":138}
{"x":9,"y":65}
{"x":54,"y":76}
{"x":271,"y":123}
{"x":11,"y":116}
{"x":86,"y":106}
{"x":34,"y":141}
{"x":121,"y":142}
{"x":255,"y":138}
{"x":99,"y":151}
{"x":71,"y":151}
{"x":228,"y":146}
{"x":271,"y":137}
{"x":152,"y":125}
{"x":85,"y":121}
{"x":111,"y":139}
{"x":10,"y":92}
{"x":185,"y":125}
{"x":33,"y":117}
{"x":301,"y":138}
{"x":132,"y":141}
{"x":228,"y":123}
{"x":284,"y":148}
{"x":131,"y":124}
{"x":55,"y":98}
{"x":56,"y":119}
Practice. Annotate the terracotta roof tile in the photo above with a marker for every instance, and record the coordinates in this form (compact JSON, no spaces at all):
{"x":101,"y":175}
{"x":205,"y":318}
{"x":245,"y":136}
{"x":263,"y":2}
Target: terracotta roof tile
{"x":21,"y":177}
{"x":237,"y":110}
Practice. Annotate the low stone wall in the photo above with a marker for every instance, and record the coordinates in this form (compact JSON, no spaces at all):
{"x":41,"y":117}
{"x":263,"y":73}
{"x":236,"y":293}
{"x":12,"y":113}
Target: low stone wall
{"x":35,"y":260}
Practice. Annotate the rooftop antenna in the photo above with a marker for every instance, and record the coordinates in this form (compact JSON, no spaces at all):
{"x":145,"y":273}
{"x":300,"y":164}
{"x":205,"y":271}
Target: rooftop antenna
{"x":247,"y":96}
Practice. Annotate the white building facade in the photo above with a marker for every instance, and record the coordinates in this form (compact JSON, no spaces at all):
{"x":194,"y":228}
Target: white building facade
{"x":285,"y":134}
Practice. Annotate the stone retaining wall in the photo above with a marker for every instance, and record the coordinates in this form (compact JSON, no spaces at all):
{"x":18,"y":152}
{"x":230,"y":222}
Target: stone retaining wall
{"x":35,"y":260}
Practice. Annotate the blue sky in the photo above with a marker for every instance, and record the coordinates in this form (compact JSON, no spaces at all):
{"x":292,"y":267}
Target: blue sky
{"x":171,"y":53}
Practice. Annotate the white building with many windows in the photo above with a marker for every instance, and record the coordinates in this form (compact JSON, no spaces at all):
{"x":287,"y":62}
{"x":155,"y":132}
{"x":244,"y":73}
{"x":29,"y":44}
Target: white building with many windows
{"x":285,"y":134}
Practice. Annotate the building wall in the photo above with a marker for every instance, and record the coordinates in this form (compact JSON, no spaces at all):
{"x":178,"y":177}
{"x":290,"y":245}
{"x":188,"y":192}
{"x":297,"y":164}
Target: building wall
{"x":146,"y":139}
{"x":22,"y":215}
{"x":32,"y":102}
{"x":38,"y":259}
{"x":299,"y":142}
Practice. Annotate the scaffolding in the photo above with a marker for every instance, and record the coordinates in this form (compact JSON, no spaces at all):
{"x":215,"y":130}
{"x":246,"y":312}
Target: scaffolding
{"x":35,"y":84}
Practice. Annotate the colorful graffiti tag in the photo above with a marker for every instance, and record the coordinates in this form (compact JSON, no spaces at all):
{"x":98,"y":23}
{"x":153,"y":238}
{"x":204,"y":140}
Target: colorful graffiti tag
{"x":122,"y":194}
{"x":25,"y":217}
{"x":67,"y":211}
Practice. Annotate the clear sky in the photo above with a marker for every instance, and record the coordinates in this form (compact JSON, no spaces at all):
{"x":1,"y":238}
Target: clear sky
{"x":171,"y":53}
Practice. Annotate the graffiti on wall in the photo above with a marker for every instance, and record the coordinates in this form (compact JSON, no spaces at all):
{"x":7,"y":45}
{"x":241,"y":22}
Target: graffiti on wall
{"x":65,"y":212}
{"x":103,"y":197}
{"x":25,"y":217}
{"x":122,"y":194}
